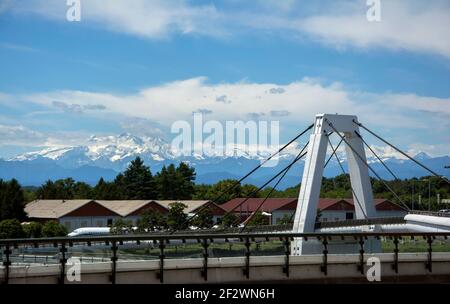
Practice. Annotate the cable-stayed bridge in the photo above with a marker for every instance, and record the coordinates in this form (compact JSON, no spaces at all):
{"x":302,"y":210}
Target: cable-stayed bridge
{"x":303,"y":251}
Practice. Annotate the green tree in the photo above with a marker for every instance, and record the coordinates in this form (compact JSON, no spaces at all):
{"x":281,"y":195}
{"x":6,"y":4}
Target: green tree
{"x":200,"y":192}
{"x":11,"y":200}
{"x":176,"y":218}
{"x":203,"y":219}
{"x":138,"y":181}
{"x":11,"y":229}
{"x":286,"y":220}
{"x":175,"y":182}
{"x":29,"y":194}
{"x":258,"y":219}
{"x":47,"y":190}
{"x":164,"y":184}
{"x":249,"y":190}
{"x":151,"y":220}
{"x":107,"y":190}
{"x":119,"y":187}
{"x":185,"y":180}
{"x":221,"y":188}
{"x":32,"y":230}
{"x":60,"y":189}
{"x":121,"y":226}
{"x":53,"y":229}
{"x":83,"y":191}
{"x":229,"y":220}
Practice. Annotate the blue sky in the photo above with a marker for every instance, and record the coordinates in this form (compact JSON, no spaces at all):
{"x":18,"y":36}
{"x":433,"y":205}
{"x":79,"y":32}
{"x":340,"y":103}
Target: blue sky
{"x":137,"y":66}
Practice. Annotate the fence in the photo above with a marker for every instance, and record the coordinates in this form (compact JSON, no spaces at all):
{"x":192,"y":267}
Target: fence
{"x":204,"y":241}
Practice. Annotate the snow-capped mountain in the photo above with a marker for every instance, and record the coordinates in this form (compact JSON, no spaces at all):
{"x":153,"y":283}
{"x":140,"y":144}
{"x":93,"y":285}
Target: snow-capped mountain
{"x":106,"y":156}
{"x":115,"y":152}
{"x":110,"y":152}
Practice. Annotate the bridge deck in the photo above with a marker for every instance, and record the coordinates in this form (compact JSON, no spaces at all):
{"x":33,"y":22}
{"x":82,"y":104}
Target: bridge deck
{"x":229,"y":270}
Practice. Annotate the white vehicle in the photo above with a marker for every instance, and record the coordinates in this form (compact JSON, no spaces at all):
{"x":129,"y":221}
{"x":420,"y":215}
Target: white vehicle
{"x":90,"y":231}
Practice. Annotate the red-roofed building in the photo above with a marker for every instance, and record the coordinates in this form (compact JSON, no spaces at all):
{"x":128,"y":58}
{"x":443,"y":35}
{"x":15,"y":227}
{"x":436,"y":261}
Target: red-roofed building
{"x":331,"y":209}
{"x":251,"y":205}
{"x":341,"y":209}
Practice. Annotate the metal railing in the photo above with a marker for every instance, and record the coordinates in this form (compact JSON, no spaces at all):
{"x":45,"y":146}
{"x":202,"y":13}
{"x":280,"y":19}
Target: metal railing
{"x":205,"y":240}
{"x":431,"y":213}
{"x":361,"y":222}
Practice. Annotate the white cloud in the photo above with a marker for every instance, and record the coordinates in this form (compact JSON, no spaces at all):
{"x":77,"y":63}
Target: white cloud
{"x":438,"y":149}
{"x":18,"y":47}
{"x":22,"y":136}
{"x":420,"y":103}
{"x":405,"y":25}
{"x":142,"y":127}
{"x":76,"y":108}
{"x":300,"y":101}
{"x":19,"y":135}
{"x":149,"y":19}
{"x":412,"y":25}
{"x":153,"y":110}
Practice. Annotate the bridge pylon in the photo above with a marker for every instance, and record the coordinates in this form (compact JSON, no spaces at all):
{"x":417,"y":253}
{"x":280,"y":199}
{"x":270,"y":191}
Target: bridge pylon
{"x":305,"y":216}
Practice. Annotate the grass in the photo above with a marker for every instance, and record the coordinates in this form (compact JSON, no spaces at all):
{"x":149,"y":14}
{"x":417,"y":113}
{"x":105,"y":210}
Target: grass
{"x":417,"y":245}
{"x":275,"y":248}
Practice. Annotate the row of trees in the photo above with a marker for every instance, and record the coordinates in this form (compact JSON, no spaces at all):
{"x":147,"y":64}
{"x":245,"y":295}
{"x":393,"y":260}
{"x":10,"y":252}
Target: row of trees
{"x":136,"y":182}
{"x":175,"y":219}
{"x":178,"y":182}
{"x":12,"y":228}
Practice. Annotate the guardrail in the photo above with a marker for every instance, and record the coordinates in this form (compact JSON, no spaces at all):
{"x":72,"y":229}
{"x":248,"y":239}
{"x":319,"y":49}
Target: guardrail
{"x":205,"y":240}
{"x":362,"y":222}
{"x":431,"y":213}
{"x":248,"y":229}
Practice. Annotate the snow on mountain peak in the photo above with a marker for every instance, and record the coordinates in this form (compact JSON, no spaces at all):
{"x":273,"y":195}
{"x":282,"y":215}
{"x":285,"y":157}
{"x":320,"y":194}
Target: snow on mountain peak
{"x":116,"y":151}
{"x":103,"y":150}
{"x":421,"y":156}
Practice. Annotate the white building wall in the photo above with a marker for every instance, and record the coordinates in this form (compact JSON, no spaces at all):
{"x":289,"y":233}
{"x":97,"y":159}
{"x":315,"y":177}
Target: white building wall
{"x":134,"y":219}
{"x":74,"y":222}
{"x":338,"y":215}
{"x":277,"y":215}
{"x":335,"y":215}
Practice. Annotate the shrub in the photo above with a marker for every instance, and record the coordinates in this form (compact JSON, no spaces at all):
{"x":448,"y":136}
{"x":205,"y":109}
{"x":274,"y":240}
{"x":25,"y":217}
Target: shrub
{"x":10,"y":229}
{"x":33,"y":230}
{"x":53,"y":229}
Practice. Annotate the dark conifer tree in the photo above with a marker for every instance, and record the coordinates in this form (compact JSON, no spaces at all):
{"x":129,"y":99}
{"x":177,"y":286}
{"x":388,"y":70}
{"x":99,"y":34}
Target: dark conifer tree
{"x":138,"y":181}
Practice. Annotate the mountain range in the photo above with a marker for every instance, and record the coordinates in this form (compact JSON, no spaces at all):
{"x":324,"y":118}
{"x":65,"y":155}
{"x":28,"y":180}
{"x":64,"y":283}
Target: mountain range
{"x":108,"y":155}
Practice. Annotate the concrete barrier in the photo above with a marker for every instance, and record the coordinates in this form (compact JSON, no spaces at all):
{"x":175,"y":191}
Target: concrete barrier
{"x":340,"y":268}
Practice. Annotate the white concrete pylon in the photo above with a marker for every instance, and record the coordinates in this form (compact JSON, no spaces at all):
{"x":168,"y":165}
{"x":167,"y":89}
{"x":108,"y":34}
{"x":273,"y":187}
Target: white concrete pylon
{"x":308,"y":199}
